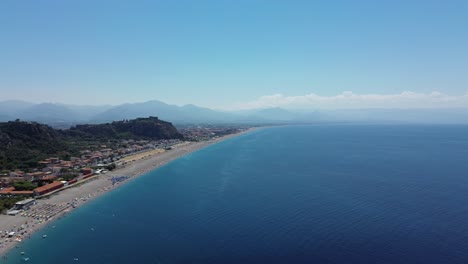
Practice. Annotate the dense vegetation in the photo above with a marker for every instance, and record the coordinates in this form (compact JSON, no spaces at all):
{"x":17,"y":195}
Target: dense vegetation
{"x":68,"y":176}
{"x":24,"y":186}
{"x":140,"y":128}
{"x":8,"y":202}
{"x":23,"y":144}
{"x":111,"y":167}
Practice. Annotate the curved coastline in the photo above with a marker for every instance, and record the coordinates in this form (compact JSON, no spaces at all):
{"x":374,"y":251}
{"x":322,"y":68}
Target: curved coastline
{"x":93,"y":189}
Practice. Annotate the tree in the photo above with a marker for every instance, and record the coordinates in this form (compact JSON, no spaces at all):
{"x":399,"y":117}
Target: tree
{"x":64,"y":170}
{"x":68,"y":176}
{"x":111,"y":166}
{"x":24,"y":186}
{"x":8,"y":202}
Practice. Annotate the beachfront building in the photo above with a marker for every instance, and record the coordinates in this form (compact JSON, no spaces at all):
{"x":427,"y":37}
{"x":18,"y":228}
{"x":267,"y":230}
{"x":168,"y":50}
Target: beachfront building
{"x":87,"y":171}
{"x":10,"y":191}
{"x":21,"y":206}
{"x":48,"y":188}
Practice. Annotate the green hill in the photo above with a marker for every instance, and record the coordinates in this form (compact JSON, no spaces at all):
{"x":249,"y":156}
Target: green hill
{"x":140,"y":128}
{"x":23,"y":144}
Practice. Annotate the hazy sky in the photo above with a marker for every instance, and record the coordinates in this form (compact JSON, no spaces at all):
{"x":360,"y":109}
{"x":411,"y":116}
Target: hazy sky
{"x":236,"y":53}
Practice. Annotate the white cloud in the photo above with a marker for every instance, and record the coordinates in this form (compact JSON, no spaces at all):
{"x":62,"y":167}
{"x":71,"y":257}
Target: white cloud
{"x":350,"y":100}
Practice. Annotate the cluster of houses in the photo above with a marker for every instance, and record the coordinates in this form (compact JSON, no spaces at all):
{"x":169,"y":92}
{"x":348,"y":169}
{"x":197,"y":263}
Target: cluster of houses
{"x":47,"y":182}
{"x":49,"y":175}
{"x":200,"y":133}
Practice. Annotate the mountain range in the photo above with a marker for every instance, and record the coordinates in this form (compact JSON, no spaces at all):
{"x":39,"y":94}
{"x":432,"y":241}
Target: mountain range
{"x":64,"y":116}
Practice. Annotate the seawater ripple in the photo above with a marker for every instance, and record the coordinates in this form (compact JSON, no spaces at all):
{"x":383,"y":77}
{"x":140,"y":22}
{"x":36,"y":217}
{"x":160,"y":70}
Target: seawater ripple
{"x":297,"y":194}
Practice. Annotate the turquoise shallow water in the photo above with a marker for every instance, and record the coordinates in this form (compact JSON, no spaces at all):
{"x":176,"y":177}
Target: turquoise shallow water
{"x":298,"y":194}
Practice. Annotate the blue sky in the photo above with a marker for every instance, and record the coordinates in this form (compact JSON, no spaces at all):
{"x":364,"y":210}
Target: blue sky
{"x":233,"y":54}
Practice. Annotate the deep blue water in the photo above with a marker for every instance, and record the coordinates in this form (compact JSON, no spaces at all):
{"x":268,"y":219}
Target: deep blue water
{"x":298,"y":194}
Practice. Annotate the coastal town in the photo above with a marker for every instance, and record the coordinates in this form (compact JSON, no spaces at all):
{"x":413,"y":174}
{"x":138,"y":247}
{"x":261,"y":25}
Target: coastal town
{"x":54,"y":173}
{"x":58,"y":186}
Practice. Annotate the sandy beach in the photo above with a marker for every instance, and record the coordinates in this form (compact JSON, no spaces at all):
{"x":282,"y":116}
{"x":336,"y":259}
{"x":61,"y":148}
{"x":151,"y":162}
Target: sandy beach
{"x":59,"y":204}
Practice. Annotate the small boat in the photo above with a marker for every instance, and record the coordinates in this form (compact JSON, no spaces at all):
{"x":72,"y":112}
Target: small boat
{"x":44,"y":236}
{"x":22,"y":253}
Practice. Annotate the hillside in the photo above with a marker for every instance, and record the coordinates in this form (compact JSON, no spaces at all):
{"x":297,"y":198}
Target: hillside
{"x":140,"y":128}
{"x":23,"y":144}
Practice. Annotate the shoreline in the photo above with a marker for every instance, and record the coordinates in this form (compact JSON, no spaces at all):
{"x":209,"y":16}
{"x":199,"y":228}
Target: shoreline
{"x":69,"y":199}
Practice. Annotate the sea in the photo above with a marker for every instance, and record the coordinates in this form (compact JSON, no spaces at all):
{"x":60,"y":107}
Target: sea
{"x":325,"y":193}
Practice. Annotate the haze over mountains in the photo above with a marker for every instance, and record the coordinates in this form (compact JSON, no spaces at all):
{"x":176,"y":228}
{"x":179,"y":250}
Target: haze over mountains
{"x":62,"y":115}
